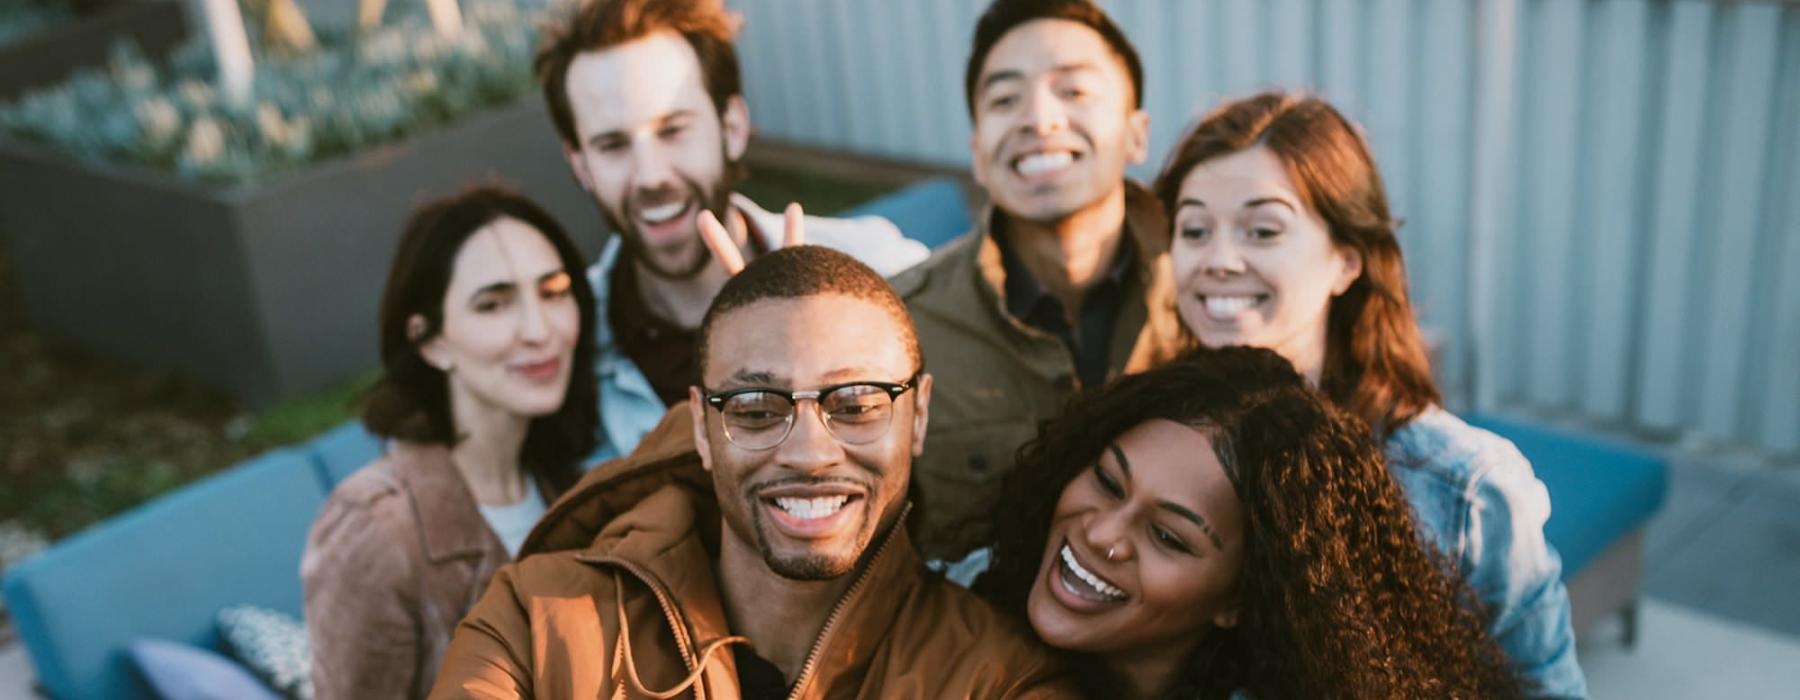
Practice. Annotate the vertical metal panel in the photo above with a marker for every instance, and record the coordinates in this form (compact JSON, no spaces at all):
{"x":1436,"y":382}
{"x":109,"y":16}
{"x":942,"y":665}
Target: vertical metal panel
{"x":1196,"y":65}
{"x":1491,"y":216}
{"x":1747,"y":75}
{"x":1612,"y":177}
{"x":1437,"y":219}
{"x":1553,"y":94}
{"x":1288,"y":36}
{"x":1779,"y":427}
{"x":1340,"y":34}
{"x":1673,"y":216}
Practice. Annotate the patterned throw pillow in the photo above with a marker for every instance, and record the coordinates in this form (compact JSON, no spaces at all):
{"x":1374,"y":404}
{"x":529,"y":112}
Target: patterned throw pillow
{"x":273,"y":645}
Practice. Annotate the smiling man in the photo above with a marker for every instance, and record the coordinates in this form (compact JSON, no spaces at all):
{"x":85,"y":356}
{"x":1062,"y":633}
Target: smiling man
{"x":1065,"y":282}
{"x":646,"y":96}
{"x":772,"y":560}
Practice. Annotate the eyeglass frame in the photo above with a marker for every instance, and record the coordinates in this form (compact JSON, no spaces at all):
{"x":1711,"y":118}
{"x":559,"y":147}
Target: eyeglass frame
{"x":894,"y":390}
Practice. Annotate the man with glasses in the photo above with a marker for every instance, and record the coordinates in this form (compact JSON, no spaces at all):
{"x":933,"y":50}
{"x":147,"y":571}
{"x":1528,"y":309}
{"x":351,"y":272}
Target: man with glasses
{"x":754,"y":545}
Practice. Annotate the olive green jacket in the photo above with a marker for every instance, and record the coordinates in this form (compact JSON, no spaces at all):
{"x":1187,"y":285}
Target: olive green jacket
{"x":995,"y":378}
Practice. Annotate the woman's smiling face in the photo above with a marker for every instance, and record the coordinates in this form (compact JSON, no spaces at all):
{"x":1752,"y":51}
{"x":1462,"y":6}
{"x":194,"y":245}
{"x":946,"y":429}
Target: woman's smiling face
{"x":1144,"y":549}
{"x":1256,"y":265}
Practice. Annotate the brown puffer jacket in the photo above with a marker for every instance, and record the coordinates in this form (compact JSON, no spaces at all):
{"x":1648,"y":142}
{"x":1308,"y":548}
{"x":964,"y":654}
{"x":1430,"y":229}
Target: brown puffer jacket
{"x":616,"y":597}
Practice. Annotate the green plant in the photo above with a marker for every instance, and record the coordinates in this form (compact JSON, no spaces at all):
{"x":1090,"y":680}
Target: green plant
{"x":21,"y":18}
{"x":356,"y":90}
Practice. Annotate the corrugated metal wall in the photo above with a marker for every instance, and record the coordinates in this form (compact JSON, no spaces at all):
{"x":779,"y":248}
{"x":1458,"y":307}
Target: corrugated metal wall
{"x":1601,"y":198}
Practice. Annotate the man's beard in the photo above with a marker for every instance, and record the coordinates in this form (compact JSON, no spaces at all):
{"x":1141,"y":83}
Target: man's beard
{"x":811,"y":567}
{"x":716,"y":200}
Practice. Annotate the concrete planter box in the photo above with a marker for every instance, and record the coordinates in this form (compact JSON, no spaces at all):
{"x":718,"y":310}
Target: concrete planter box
{"x":49,"y":56}
{"x":264,"y":290}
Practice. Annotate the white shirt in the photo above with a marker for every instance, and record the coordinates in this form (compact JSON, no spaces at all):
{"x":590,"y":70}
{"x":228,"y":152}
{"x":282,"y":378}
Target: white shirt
{"x":512,"y":523}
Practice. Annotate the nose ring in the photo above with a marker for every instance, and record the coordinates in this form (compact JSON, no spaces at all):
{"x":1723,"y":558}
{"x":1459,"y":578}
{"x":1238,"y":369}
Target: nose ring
{"x":1110,"y":551}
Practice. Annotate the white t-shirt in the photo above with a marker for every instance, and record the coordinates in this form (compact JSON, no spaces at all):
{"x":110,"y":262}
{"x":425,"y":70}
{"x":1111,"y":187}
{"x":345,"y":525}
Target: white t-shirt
{"x":512,"y":523}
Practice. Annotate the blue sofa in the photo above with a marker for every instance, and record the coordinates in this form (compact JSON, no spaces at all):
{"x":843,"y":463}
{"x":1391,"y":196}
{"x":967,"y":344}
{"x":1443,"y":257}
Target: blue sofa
{"x":166,"y":568}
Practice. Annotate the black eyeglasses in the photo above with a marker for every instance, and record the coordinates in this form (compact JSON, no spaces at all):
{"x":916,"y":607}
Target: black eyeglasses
{"x":856,"y":413}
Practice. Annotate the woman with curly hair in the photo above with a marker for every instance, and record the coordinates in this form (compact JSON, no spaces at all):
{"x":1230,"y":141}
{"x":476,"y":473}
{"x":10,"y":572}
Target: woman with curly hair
{"x":1213,"y":527}
{"x":1282,"y":239}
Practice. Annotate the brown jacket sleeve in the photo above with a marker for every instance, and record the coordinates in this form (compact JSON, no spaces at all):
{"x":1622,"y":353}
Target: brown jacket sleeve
{"x":358,"y":583}
{"x":483,"y":661}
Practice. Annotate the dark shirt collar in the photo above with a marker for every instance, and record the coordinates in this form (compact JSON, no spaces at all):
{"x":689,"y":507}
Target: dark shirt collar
{"x":1026,"y":298}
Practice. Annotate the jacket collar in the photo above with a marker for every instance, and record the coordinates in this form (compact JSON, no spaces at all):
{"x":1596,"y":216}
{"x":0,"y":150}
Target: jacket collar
{"x":450,"y":523}
{"x":1144,"y":222}
{"x":670,"y":538}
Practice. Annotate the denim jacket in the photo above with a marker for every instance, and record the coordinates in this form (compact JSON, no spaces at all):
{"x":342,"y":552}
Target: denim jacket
{"x":1477,"y":499}
{"x":629,"y":406}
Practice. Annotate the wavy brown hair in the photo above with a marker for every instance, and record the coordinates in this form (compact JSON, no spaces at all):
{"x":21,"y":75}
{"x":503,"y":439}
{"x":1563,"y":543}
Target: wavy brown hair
{"x":1338,"y":595}
{"x":1375,"y":360}
{"x":412,"y":399}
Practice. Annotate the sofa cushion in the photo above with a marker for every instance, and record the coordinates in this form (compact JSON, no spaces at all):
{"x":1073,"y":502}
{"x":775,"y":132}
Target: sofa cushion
{"x":176,"y":671}
{"x":163,"y":570}
{"x":342,"y":450}
{"x":1600,"y":489}
{"x":931,"y":212}
{"x":273,"y":645}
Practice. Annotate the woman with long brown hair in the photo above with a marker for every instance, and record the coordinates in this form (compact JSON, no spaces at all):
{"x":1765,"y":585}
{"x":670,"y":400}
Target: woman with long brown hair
{"x":1283,"y":239}
{"x":487,"y":401}
{"x":1214,"y":526}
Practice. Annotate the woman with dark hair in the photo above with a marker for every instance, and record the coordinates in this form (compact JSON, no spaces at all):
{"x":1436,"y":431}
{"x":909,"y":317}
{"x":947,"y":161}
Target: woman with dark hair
{"x":1212,"y":527}
{"x":1283,"y":240}
{"x":487,"y":402}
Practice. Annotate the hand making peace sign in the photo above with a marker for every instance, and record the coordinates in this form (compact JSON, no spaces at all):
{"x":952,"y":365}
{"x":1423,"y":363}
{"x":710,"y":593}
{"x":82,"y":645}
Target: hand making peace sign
{"x":726,"y":250}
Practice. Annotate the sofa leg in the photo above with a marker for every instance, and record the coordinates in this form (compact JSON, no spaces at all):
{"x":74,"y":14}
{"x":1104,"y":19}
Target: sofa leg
{"x":1628,"y":619}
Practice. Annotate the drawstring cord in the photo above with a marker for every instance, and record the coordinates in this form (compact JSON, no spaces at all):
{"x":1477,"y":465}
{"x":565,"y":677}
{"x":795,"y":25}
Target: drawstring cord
{"x":622,"y":658}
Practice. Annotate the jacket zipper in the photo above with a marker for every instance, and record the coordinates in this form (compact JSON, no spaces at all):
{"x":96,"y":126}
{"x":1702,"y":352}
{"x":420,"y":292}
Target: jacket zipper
{"x":668,"y":607}
{"x":812,"y":657}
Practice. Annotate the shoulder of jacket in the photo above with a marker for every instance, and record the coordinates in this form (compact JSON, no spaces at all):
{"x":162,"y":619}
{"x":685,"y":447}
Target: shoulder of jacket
{"x":1456,"y":452}
{"x":918,"y":283}
{"x":369,"y":486}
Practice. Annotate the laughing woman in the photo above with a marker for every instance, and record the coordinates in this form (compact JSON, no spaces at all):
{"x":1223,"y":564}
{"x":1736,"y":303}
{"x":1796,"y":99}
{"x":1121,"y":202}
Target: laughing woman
{"x":487,"y":399}
{"x":1283,"y":240}
{"x":1213,"y":528}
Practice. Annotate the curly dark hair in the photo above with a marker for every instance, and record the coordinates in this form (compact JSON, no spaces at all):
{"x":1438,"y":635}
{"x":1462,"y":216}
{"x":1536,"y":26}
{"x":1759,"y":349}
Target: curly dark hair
{"x":1338,"y":595}
{"x":412,"y":400}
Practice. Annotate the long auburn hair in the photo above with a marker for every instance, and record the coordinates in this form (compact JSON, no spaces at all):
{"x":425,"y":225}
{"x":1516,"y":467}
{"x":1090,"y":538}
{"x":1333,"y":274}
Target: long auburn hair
{"x":412,"y":400}
{"x":1338,"y":595}
{"x":1375,"y":360}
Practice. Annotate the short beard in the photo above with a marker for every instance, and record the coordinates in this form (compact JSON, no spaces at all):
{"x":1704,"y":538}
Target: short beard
{"x":811,"y":567}
{"x":716,"y":200}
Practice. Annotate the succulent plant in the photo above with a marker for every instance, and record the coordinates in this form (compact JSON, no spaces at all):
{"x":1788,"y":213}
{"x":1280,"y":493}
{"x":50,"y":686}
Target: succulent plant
{"x":21,"y":18}
{"x":357,"y":89}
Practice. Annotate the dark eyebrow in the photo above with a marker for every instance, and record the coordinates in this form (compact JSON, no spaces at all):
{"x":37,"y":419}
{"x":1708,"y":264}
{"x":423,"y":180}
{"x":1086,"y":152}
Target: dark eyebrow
{"x":1189,"y":202}
{"x":1182,"y":511}
{"x":744,"y":377}
{"x":660,"y":120}
{"x":495,"y":288}
{"x":1176,"y":508}
{"x":1000,"y":76}
{"x":1270,"y":200}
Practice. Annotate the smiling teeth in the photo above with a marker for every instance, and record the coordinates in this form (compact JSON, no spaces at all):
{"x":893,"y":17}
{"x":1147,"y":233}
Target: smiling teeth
{"x":657,"y":215}
{"x":1227,"y":306}
{"x":812,"y":508}
{"x":1088,"y":577}
{"x":1040,"y":163}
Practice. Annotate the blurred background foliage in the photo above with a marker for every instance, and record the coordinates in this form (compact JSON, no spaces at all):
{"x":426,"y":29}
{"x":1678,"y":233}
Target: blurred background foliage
{"x":356,"y":89}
